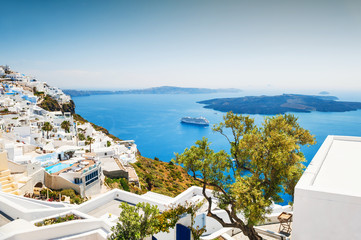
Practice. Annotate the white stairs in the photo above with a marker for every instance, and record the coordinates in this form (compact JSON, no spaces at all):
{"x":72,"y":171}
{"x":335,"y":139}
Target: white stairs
{"x":7,"y":183}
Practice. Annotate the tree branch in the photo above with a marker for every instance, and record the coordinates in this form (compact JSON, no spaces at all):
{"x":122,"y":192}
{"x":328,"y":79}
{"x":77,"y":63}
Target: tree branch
{"x":212,"y":215}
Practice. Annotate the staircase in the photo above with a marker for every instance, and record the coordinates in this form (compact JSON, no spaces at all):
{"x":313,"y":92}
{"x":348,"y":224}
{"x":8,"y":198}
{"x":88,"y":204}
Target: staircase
{"x":7,"y":183}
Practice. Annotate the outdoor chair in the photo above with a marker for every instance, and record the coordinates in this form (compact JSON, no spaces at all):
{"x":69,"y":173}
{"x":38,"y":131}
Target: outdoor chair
{"x":285,"y":220}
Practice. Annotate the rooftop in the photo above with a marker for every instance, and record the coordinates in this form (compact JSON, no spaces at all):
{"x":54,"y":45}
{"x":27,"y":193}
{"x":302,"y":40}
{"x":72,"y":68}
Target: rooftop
{"x":111,"y":207}
{"x":336,"y":167}
{"x":341,"y":167}
{"x":71,"y":166}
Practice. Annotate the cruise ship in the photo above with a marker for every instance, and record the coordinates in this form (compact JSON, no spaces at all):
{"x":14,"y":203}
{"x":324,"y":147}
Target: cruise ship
{"x":198,"y":121}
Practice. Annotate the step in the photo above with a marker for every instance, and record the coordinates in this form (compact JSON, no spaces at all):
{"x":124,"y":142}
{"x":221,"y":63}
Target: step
{"x":15,"y":192}
{"x":6,"y":183}
{"x":5,"y":173}
{"x":9,"y":185}
{"x":9,"y":190}
{"x":4,"y":178}
{"x":7,"y":178}
{"x":6,"y":186}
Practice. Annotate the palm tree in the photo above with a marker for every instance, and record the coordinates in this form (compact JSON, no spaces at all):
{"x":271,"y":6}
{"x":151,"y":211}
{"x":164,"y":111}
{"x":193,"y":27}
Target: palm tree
{"x":89,"y":141}
{"x":47,"y":127}
{"x":66,"y":126}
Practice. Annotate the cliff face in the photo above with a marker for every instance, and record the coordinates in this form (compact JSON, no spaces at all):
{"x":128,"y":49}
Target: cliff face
{"x":82,"y":120}
{"x":50,"y":104}
{"x":68,"y":107}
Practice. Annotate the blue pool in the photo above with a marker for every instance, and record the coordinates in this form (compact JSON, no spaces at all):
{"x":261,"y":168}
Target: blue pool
{"x":57,"y":167}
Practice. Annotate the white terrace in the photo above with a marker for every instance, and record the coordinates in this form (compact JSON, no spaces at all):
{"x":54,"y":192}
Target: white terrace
{"x":99,"y":214}
{"x":328,"y":195}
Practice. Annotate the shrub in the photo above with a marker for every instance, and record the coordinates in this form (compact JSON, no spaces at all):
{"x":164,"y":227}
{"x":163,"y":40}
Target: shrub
{"x":76,"y":200}
{"x":68,"y":192}
{"x":124,"y":184}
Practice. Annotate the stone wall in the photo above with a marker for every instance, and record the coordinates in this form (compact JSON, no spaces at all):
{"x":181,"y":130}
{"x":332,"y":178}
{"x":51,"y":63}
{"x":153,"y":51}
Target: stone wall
{"x":57,"y":182}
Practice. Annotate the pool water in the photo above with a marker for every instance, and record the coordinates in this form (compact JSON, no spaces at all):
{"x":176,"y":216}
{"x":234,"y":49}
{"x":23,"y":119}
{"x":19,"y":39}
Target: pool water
{"x":57,"y":167}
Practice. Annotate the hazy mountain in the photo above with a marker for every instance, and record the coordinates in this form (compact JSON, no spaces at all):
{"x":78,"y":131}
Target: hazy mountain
{"x":155,"y":90}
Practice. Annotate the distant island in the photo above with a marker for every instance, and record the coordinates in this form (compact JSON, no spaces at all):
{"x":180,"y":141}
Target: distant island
{"x":155,"y":90}
{"x":280,"y":104}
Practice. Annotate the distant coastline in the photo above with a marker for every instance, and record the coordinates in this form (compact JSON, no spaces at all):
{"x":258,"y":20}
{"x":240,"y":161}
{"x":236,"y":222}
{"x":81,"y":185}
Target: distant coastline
{"x":269,"y":105}
{"x":155,"y":90}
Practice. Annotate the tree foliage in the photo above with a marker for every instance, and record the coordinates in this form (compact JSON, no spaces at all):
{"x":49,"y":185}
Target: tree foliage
{"x":169,"y":218}
{"x":262,"y":162}
{"x":143,"y":220}
{"x":89,"y":141}
{"x":81,"y":136}
{"x":136,"y":222}
{"x":47,"y":127}
{"x":66,"y":126}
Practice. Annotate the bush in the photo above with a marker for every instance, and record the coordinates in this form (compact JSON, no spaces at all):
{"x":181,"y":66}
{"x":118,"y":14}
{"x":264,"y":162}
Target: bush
{"x":68,"y":192}
{"x":76,"y":200}
{"x":124,"y":184}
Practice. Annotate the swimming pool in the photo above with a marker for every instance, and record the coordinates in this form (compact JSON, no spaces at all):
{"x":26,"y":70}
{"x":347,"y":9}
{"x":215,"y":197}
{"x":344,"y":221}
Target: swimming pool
{"x":57,"y":167}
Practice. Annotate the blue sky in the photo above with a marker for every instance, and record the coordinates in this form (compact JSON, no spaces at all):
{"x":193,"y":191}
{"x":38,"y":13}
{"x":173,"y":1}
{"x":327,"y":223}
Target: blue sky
{"x":287,"y":45}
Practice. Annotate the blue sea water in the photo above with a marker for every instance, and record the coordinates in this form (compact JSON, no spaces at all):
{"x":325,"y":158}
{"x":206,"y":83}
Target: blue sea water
{"x":153,"y":121}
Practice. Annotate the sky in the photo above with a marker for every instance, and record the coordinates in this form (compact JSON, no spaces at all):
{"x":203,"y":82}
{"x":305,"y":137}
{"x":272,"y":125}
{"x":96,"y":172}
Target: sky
{"x":281,"y":44}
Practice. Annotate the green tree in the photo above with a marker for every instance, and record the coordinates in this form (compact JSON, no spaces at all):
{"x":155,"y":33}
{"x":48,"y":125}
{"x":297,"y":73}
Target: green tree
{"x":170,"y":217}
{"x":89,"y":141}
{"x":81,"y":136}
{"x":262,"y":161}
{"x":66,"y":126}
{"x":136,"y":222}
{"x":47,"y":127}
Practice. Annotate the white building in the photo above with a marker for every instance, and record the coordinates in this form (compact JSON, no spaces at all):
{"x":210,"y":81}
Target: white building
{"x":79,"y":174}
{"x":99,"y":215}
{"x":328,"y":195}
{"x":2,"y":71}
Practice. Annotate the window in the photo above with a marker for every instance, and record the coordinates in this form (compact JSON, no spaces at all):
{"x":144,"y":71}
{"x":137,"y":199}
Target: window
{"x":78,"y":180}
{"x":91,"y":177}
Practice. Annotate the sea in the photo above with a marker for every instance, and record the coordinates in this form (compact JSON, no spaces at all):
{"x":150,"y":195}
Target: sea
{"x":153,"y":121}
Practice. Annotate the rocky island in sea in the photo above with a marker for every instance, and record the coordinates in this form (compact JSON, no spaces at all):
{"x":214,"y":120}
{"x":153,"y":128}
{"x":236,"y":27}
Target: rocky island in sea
{"x":280,"y":104}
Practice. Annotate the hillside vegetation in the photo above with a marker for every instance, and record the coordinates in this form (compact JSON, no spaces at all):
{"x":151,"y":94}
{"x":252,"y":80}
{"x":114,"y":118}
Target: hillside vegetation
{"x":50,"y":104}
{"x":162,"y":177}
{"x":82,"y":120}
